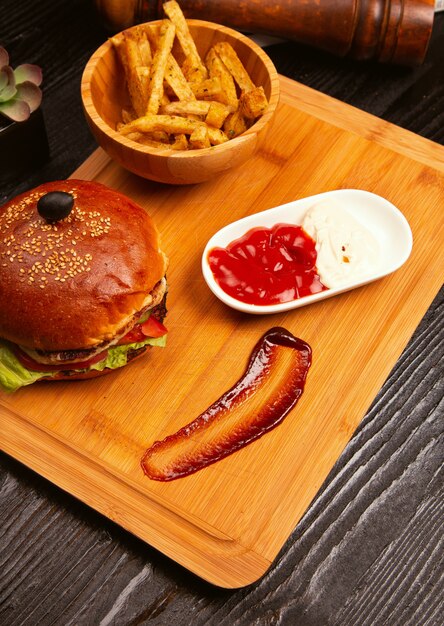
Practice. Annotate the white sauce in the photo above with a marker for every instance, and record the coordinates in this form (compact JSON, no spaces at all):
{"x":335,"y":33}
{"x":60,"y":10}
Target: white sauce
{"x":347,"y":251}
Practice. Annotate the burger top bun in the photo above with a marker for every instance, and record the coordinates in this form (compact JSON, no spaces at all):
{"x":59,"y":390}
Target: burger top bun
{"x":72,"y":282}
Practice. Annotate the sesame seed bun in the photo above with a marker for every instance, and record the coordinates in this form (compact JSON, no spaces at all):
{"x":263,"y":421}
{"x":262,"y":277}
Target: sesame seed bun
{"x":75,"y":283}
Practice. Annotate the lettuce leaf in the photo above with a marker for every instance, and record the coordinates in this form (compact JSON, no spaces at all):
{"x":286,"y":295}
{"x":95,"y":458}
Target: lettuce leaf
{"x":13,"y":375}
{"x":117,"y":356}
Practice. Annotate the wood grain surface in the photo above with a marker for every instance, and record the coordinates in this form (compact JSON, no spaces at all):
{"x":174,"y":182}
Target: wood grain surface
{"x":369,"y":549}
{"x":228,"y":522}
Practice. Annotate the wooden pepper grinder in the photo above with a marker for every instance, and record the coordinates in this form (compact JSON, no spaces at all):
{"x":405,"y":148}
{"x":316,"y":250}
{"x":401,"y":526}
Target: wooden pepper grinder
{"x":394,"y":31}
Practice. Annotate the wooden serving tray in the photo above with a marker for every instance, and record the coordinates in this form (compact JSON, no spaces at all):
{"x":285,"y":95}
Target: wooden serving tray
{"x":228,"y":522}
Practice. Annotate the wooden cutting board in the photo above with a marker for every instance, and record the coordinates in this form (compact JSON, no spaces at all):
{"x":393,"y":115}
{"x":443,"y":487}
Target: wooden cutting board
{"x":228,"y":522}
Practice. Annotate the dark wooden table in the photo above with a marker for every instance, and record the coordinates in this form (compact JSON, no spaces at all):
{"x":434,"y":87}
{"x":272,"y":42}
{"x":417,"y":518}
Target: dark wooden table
{"x":369,"y":549}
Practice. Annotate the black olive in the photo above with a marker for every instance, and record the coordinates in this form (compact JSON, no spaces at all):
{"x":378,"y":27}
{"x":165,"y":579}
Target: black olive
{"x":55,"y":205}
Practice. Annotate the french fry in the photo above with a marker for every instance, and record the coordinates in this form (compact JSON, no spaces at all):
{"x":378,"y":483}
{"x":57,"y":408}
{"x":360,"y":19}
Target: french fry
{"x":135,"y":88}
{"x":234,"y":65}
{"x":133,"y":57}
{"x":174,"y":12}
{"x":177,"y":81}
{"x":199,"y":138}
{"x":218,"y":70}
{"x":214,"y":113}
{"x":216,"y":136}
{"x":195,"y":107}
{"x":138,"y":66}
{"x":145,"y":140}
{"x":155,"y":90}
{"x":217,"y":114}
{"x":160,"y":135}
{"x":171,"y":124}
{"x":180,"y":142}
{"x":192,"y":70}
{"x":143,"y":74}
{"x":117,"y":42}
{"x":134,"y":136}
{"x":234,"y":125}
{"x":209,"y":89}
{"x":143,"y":44}
{"x":156,"y":138}
{"x":253,"y":103}
{"x":152,"y":35}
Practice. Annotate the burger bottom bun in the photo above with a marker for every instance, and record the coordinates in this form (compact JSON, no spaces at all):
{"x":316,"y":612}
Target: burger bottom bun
{"x":73,"y":375}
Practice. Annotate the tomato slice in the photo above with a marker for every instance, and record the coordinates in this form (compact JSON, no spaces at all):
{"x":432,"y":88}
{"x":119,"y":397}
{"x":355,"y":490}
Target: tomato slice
{"x":150,"y":328}
{"x":135,"y":335}
{"x":153,"y":328}
{"x":30,"y":364}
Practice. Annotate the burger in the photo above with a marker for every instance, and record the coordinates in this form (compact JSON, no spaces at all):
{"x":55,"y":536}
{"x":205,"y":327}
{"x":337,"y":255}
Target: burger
{"x":82,"y":283}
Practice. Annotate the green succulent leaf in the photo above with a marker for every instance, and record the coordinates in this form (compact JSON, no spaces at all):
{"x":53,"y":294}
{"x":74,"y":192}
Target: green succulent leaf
{"x":9,"y":89}
{"x":8,"y":93}
{"x":28,"y":73}
{"x":4,"y":79}
{"x":15,"y":110}
{"x":20,"y":94}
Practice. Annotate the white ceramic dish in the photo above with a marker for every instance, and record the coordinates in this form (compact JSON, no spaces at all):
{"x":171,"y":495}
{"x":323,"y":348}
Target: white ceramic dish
{"x":384,"y":221}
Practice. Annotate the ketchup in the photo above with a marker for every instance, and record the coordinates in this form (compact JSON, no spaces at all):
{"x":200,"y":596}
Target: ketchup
{"x":268,"y":265}
{"x":270,"y":387}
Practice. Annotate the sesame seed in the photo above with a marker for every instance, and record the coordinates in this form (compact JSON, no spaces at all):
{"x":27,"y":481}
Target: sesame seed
{"x":48,"y":241}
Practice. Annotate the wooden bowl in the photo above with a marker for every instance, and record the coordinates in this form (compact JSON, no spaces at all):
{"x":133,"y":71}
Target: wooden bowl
{"x":104,"y":95}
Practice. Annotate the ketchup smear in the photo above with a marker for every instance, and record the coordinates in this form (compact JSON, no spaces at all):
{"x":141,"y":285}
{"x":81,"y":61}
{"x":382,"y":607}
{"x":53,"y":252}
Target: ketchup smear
{"x":268,"y":265}
{"x":270,"y":387}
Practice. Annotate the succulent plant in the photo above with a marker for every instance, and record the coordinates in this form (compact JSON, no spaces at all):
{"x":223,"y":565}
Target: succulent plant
{"x":20,"y":93}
